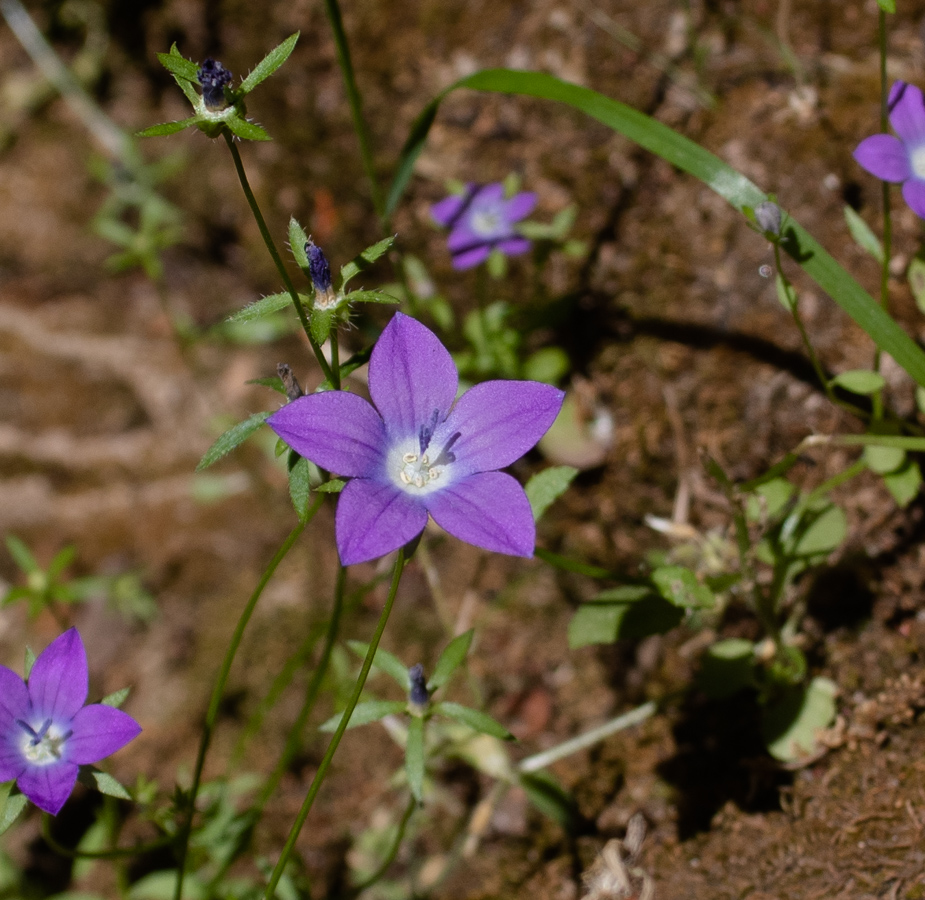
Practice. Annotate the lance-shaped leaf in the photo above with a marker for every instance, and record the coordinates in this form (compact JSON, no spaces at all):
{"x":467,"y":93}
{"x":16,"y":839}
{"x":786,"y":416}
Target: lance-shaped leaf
{"x":269,"y":64}
{"x":366,"y":712}
{"x":266,"y":306}
{"x":414,"y":757}
{"x":384,"y":662}
{"x":364,"y":260}
{"x":452,"y":657}
{"x":476,"y":720}
{"x":544,"y":488}
{"x":231,"y":438}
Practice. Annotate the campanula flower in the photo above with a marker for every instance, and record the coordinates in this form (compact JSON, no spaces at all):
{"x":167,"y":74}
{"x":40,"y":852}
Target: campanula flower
{"x":416,"y":452}
{"x":46,"y":732}
{"x":481,"y":220}
{"x":900,"y":159}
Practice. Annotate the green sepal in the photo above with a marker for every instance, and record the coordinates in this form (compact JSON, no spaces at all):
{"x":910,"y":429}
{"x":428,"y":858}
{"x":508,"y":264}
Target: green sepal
{"x":116,"y":698}
{"x":11,"y":805}
{"x":366,"y":712}
{"x":384,"y":662}
{"x":414,"y":757}
{"x":268,"y":65}
{"x":364,"y":260}
{"x":321,"y":322}
{"x":265,"y":306}
{"x":297,"y":241}
{"x":231,"y":438}
{"x":178,"y":65}
{"x":166,"y":128}
{"x":21,"y":554}
{"x":274,"y":382}
{"x":544,"y":488}
{"x":450,"y":660}
{"x":102,"y":782}
{"x":300,"y":487}
{"x":371,"y":297}
{"x":477,"y":721}
{"x":247,"y":131}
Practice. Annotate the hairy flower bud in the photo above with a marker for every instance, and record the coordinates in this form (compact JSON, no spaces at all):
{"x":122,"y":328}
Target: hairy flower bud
{"x":213,"y":77}
{"x":320,"y":272}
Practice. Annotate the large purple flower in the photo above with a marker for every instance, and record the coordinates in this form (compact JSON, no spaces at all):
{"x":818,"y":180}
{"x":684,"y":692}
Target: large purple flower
{"x":416,"y":452}
{"x":900,"y":159}
{"x":480,"y":219}
{"x":46,"y":732}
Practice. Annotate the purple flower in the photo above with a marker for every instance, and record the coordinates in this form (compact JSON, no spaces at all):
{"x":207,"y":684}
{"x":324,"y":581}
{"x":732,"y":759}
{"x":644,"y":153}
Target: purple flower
{"x":417,"y":453}
{"x":46,"y":732}
{"x":213,"y":77}
{"x":900,"y":159}
{"x":480,"y":220}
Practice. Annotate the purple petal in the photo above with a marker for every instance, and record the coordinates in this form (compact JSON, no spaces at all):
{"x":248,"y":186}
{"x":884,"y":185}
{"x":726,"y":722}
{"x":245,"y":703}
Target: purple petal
{"x":411,"y":375}
{"x":374,"y":518}
{"x":58,"y":681}
{"x":12,"y":761}
{"x":98,"y":732}
{"x":498,"y":422}
{"x":14,"y":697}
{"x":471,"y":257}
{"x":462,"y":237}
{"x":907,"y":113}
{"x":519,"y":206}
{"x":488,"y":195}
{"x":490,"y":510}
{"x":48,"y":787}
{"x":444,"y":212}
{"x":336,"y":430}
{"x":914,"y":195}
{"x":513,"y":246}
{"x":884,"y":156}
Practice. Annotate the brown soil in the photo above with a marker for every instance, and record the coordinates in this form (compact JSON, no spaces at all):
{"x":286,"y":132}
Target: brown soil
{"x":674,"y":332}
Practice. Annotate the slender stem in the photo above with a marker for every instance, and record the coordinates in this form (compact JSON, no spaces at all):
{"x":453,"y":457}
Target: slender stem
{"x":393,"y":850}
{"x":219,"y":690}
{"x":277,"y":259}
{"x":115,"y":853}
{"x":887,"y":217}
{"x":332,"y":9}
{"x":294,"y":739}
{"x":325,"y":765}
{"x":589,"y":738}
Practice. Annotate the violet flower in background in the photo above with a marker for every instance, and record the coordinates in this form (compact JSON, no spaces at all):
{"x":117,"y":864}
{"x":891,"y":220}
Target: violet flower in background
{"x":416,"y":452}
{"x":900,"y":159}
{"x":46,"y":732}
{"x":481,"y":220}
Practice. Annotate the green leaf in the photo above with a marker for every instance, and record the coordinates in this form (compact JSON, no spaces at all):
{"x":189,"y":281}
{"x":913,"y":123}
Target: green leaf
{"x":297,"y":241}
{"x":548,"y":364}
{"x":452,"y":657}
{"x":10,"y":808}
{"x":550,"y":798}
{"x":478,"y":721}
{"x":166,"y":128}
{"x":826,"y":532}
{"x":769,"y":498}
{"x":916,"y":276}
{"x":334,"y":486}
{"x":269,"y":64}
{"x":371,"y":297}
{"x":690,"y":157}
{"x":679,"y":586}
{"x":103,"y":782}
{"x":888,"y":6}
{"x":161,"y":885}
{"x":863,"y":236}
{"x":904,"y":484}
{"x":366,"y":712}
{"x":231,"y":438}
{"x":21,"y":554}
{"x":860,"y":381}
{"x":29,"y":662}
{"x":572,"y":565}
{"x":603,"y":623}
{"x":384,"y":662}
{"x":300,"y":487}
{"x":883,"y":460}
{"x":364,"y":260}
{"x":791,"y":724}
{"x":177,"y":64}
{"x":544,"y":488}
{"x":414,"y":757}
{"x":265,"y":306}
{"x":116,"y":698}
{"x":247,"y":131}
{"x":786,"y":293}
{"x":727,"y":667}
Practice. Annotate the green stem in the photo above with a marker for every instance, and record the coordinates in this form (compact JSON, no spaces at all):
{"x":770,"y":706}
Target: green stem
{"x":887,"y":217}
{"x":277,"y":261}
{"x":219,"y":690}
{"x":332,"y":9}
{"x":325,"y":765}
{"x":294,"y":739}
{"x":115,"y":853}
{"x":393,"y":850}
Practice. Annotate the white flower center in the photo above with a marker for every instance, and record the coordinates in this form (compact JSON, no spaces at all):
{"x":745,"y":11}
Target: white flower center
{"x":43,"y":745}
{"x":486,"y":222}
{"x":417,"y":467}
{"x":917,"y":161}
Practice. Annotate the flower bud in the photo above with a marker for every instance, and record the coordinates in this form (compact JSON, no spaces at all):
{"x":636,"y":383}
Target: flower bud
{"x":320,"y":272}
{"x":417,"y":695}
{"x":768,"y":215}
{"x":213,"y":77}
